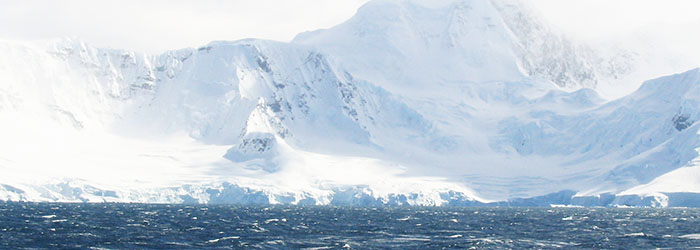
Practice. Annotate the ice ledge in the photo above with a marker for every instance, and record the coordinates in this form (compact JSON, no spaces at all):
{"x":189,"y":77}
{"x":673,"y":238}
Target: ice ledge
{"x":360,"y":195}
{"x":229,"y":193}
{"x":569,"y":198}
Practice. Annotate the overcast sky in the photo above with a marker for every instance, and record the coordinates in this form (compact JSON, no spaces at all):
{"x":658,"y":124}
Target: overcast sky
{"x":157,"y":25}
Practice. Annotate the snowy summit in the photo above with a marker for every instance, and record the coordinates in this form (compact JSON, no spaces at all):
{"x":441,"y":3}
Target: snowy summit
{"x":410,"y":102}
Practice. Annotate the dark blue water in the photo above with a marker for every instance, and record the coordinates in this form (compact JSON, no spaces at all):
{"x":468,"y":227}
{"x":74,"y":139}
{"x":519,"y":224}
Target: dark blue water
{"x":139,"y":226}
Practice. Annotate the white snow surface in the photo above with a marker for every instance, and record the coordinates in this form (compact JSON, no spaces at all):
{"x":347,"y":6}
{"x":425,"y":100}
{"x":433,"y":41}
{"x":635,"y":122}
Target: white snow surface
{"x":410,"y":102}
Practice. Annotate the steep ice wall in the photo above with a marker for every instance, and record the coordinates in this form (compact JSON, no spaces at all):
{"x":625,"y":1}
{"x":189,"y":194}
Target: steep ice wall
{"x":71,"y":82}
{"x":282,"y":111}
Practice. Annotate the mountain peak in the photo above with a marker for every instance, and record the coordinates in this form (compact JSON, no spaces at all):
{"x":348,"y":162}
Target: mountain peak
{"x":454,"y":41}
{"x":423,"y":44}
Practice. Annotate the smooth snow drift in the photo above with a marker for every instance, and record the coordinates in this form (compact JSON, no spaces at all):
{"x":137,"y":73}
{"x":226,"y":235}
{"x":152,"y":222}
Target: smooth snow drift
{"x":408,"y":103}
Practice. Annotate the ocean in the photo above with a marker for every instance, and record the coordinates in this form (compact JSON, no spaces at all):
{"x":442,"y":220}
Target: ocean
{"x":160,"y":226}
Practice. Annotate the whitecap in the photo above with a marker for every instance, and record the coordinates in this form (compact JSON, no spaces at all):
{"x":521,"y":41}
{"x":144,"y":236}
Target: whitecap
{"x":271,"y":220}
{"x":405,"y":218}
{"x":690,"y":236}
{"x":640,"y":234}
{"x":224,"y":238}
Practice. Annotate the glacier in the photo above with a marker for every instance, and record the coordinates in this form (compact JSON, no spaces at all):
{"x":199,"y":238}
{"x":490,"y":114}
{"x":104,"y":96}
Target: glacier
{"x":410,"y":102}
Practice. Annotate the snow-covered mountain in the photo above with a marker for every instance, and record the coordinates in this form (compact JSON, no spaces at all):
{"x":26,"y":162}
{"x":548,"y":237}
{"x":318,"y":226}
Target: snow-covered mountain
{"x":410,"y":102}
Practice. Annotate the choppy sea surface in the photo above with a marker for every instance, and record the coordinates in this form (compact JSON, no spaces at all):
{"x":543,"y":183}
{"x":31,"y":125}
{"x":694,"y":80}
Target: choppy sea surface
{"x":145,"y":226}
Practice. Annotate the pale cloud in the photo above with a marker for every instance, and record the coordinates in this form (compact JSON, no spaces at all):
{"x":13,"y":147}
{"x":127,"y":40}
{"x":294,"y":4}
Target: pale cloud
{"x":592,"y":19}
{"x":157,"y":25}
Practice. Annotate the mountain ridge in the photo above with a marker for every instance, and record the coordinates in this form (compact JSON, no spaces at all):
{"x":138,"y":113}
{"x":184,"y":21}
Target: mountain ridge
{"x":317,"y":121}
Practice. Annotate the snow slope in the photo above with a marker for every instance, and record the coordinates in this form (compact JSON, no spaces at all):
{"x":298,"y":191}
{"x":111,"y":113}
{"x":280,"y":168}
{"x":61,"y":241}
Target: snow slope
{"x":410,"y":102}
